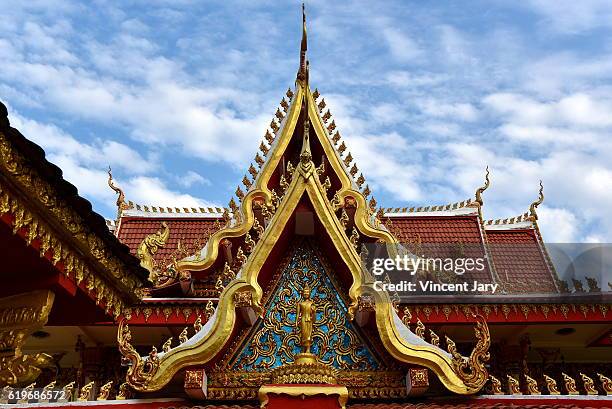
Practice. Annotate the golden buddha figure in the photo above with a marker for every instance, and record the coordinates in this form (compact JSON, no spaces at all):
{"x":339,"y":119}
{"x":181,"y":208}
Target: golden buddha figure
{"x":305,"y":318}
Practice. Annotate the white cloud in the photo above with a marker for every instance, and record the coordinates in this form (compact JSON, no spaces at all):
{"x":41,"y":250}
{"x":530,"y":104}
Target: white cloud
{"x":153,"y":191}
{"x":558,"y":225}
{"x":573,"y":16}
{"x":191,"y":178}
{"x":402,"y":47}
{"x":84,"y":165}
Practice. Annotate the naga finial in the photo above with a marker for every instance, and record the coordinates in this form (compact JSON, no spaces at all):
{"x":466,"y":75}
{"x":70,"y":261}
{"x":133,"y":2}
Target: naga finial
{"x":534,"y":205}
{"x":149,"y":246}
{"x":484,"y":187}
{"x":472,"y":370}
{"x":121,"y":204}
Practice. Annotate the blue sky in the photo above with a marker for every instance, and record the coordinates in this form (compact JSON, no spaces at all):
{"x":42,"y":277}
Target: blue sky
{"x":176,"y":96}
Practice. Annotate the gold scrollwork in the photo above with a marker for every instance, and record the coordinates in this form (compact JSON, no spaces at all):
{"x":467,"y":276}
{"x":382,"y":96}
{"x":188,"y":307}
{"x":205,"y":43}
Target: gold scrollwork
{"x":472,"y":370}
{"x":141,"y":370}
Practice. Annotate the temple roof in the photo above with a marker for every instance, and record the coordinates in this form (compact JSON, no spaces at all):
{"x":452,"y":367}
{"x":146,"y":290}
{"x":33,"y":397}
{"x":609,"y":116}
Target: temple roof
{"x":67,"y":191}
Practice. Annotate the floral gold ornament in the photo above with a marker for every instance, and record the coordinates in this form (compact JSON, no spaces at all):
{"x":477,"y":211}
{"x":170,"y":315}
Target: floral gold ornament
{"x":336,"y":138}
{"x":20,"y":316}
{"x":104,"y":391}
{"x":86,"y":391}
{"x":239,"y":193}
{"x":606,"y":384}
{"x":434,"y":338}
{"x":344,"y":218}
{"x":274,"y":126}
{"x":246,"y":182}
{"x":183,"y":337}
{"x":210,"y":310}
{"x":197,"y":325}
{"x":570,"y":384}
{"x":68,"y":390}
{"x":513,"y":386}
{"x":589,"y":385}
{"x":124,"y":391}
{"x":167,"y":345}
{"x":284,"y":104}
{"x":348,"y":159}
{"x":532,"y":386}
{"x":264,"y":149}
{"x":551,"y":385}
{"x":495,"y":385}
{"x":420,"y":329}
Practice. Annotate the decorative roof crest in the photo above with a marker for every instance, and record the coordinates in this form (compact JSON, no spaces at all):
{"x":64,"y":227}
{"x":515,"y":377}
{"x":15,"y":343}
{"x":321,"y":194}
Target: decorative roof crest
{"x":535,"y":204}
{"x":481,"y":189}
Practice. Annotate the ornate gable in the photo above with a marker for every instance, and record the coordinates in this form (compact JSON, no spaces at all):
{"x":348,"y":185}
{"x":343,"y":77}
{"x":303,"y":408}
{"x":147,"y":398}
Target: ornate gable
{"x":296,"y":193}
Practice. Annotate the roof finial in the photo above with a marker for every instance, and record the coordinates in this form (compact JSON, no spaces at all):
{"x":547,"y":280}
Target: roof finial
{"x":121,"y":198}
{"x":534,"y":205}
{"x":303,"y":71}
{"x":482,"y":188}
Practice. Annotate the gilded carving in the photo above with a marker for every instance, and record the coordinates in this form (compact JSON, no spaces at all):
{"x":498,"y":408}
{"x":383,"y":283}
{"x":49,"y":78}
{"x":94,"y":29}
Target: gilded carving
{"x":149,"y":246}
{"x":20,"y":315}
{"x":104,"y":391}
{"x":532,"y":386}
{"x":495,"y":386}
{"x":86,"y":391}
{"x":570,"y":384}
{"x":551,"y":385}
{"x":140,"y":370}
{"x":472,"y":370}
{"x":606,"y":384}
{"x":589,"y":385}
{"x":513,"y":386}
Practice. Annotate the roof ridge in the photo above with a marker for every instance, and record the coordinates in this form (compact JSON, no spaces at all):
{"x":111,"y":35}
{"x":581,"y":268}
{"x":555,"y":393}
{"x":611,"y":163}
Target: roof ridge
{"x":335,"y":138}
{"x":174,"y":209}
{"x":437,"y":208}
{"x":525,"y":217}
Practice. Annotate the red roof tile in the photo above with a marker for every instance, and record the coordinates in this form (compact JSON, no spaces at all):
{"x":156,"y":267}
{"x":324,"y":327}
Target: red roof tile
{"x":436,"y":229}
{"x":519,"y":262}
{"x":441,"y":237}
{"x":192,"y":233}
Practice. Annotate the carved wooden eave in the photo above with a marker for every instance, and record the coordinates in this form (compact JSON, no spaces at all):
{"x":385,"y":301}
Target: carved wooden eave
{"x":47,"y":213}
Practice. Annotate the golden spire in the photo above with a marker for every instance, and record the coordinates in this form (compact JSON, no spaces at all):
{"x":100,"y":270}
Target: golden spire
{"x":303,"y":71}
